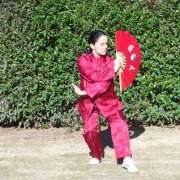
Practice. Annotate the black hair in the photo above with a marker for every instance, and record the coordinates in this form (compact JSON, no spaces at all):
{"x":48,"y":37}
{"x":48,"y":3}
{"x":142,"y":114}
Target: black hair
{"x":95,"y":35}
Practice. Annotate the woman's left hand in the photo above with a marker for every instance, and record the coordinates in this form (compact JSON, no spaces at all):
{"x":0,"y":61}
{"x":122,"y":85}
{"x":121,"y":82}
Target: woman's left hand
{"x":78,"y":91}
{"x":120,"y":60}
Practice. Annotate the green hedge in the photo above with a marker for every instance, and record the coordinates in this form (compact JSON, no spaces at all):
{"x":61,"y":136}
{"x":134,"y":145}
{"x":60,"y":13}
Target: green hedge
{"x":39,"y":43}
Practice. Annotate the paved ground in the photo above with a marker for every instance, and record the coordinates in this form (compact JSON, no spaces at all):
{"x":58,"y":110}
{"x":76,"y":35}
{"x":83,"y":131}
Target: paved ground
{"x":58,"y":154}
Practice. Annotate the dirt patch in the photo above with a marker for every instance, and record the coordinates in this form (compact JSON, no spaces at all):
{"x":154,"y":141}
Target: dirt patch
{"x":59,"y":154}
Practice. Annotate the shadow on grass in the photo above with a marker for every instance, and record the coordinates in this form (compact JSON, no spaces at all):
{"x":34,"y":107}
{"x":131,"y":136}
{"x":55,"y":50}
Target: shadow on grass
{"x":106,"y":139}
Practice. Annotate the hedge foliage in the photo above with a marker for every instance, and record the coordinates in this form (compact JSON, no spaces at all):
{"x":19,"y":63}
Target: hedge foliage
{"x":39,"y":43}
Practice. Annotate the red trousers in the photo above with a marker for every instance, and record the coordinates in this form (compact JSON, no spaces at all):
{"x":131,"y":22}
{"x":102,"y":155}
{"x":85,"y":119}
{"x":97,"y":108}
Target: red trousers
{"x":119,"y":133}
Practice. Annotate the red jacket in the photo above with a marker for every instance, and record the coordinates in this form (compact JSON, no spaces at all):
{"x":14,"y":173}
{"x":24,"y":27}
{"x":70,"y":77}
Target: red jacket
{"x":97,"y":79}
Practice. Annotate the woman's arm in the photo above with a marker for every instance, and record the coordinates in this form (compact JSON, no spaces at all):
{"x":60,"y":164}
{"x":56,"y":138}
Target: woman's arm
{"x":97,"y":88}
{"x":93,"y":89}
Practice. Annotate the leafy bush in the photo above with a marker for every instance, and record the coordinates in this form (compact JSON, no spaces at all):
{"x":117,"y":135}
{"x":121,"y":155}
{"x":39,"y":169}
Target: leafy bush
{"x":40,"y":41}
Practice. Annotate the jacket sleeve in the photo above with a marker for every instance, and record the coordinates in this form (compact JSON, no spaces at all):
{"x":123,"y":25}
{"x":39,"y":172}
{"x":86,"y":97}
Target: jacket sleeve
{"x":91,"y":74}
{"x":97,"y":88}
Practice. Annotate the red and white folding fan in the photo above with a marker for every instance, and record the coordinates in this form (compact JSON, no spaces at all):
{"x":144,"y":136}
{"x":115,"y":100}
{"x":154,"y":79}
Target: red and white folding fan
{"x":128,"y":48}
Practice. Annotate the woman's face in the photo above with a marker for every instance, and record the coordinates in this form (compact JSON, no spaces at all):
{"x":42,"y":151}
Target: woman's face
{"x":100,"y":47}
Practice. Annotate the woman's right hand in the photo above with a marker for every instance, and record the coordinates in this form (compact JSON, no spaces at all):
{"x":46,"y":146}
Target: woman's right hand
{"x":78,"y":91}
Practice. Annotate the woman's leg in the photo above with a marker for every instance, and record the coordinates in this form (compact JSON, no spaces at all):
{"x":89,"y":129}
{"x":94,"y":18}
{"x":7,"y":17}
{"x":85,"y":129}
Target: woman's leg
{"x":91,"y":134}
{"x":120,"y":135}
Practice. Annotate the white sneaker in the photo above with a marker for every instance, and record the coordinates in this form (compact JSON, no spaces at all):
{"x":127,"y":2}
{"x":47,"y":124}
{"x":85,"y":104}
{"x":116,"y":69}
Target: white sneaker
{"x":94,"y":161}
{"x":128,"y":164}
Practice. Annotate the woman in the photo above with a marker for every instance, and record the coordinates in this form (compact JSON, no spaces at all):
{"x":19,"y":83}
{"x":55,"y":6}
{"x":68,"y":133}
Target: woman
{"x":97,"y":72}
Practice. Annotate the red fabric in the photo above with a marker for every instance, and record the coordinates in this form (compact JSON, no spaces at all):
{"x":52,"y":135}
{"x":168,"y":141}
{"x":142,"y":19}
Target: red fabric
{"x":120,"y":135}
{"x":91,"y":134}
{"x":97,"y":79}
{"x":119,"y":132}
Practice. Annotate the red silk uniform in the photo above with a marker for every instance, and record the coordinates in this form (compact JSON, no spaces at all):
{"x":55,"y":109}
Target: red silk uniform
{"x":97,"y":80}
